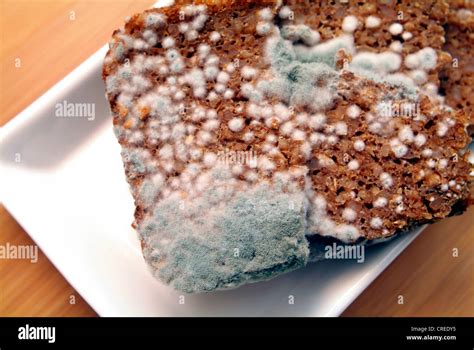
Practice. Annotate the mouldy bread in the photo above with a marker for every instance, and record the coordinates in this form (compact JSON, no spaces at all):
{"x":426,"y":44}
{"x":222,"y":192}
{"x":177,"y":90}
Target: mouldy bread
{"x":247,"y":130}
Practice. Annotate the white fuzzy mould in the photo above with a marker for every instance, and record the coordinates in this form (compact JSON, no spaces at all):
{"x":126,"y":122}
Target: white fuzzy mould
{"x":349,"y":24}
{"x":431,"y":163}
{"x":236,"y":124}
{"x":384,"y":62}
{"x":211,"y":72}
{"x":386,"y":180}
{"x":418,"y":76}
{"x":172,"y":54}
{"x":425,"y":58}
{"x":349,"y":214}
{"x":237,"y":169}
{"x":200,"y":92}
{"x":265,"y":163}
{"x":168,"y":166}
{"x":155,"y":20}
{"x":183,"y":28}
{"x":317,"y":138}
{"x":170,"y":81}
{"x":137,"y":138}
{"x":166,"y":152}
{"x":211,"y":124}
{"x":285,"y":12}
{"x":179,"y":95}
{"x":420,"y":140}
{"x":332,"y":139}
{"x":199,"y":22}
{"x":209,"y":159}
{"x":251,"y":176}
{"x":376,"y":223}
{"x":301,"y":32}
{"x":228,"y":94}
{"x":375,"y":128}
{"x":442,"y":129}
{"x":163,"y":70}
{"x":443,"y":163}
{"x":405,"y":134}
{"x":359,"y":145}
{"x":372,"y":22}
{"x":450,"y":122}
{"x":427,"y":152}
{"x":248,"y":72}
{"x":412,"y":61}
{"x":282,"y":111}
{"x":353,"y":111}
{"x":253,"y":110}
{"x":230,"y":68}
{"x":179,"y":131}
{"x":271,"y":138}
{"x":395,"y":29}
{"x":167,"y":42}
{"x":444,"y":187}
{"x":380,"y":202}
{"x":214,"y":36}
{"x":212,"y":96}
{"x":248,"y":136}
{"x":302,"y":119}
{"x":204,"y":138}
{"x":203,"y":50}
{"x":340,"y":128}
{"x":150,"y":37}
{"x":407,"y":36}
{"x":400,"y":208}
{"x":219,"y":88}
{"x":266,"y":14}
{"x":452,"y":183}
{"x":263,"y":28}
{"x":266,"y":111}
{"x":431,"y":89}
{"x":298,"y":135}
{"x":396,"y":46}
{"x":191,"y":35}
{"x":317,"y":121}
{"x":353,"y":164}
{"x":196,"y":153}
{"x":398,"y":148}
{"x":319,"y":203}
{"x":223,"y":77}
{"x":428,"y":58}
{"x":306,"y":150}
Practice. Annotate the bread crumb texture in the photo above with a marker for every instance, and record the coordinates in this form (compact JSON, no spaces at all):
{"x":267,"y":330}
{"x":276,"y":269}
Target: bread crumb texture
{"x":248,"y":129}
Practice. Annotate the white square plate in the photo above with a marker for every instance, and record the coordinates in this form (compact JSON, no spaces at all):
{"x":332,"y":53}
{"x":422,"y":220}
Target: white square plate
{"x":68,"y":191}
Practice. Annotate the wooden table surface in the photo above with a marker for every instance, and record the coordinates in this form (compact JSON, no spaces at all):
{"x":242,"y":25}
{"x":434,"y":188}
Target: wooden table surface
{"x":49,"y":39}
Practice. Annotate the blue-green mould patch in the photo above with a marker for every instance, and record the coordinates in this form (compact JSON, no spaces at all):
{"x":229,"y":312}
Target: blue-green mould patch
{"x":134,"y":161}
{"x":301,"y":33}
{"x":256,"y":236}
{"x":381,"y":68}
{"x":307,"y":76}
{"x":148,"y":191}
{"x":304,"y":76}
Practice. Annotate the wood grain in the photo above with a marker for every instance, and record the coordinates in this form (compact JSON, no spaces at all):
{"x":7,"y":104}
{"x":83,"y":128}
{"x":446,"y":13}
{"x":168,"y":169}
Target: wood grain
{"x":49,"y":44}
